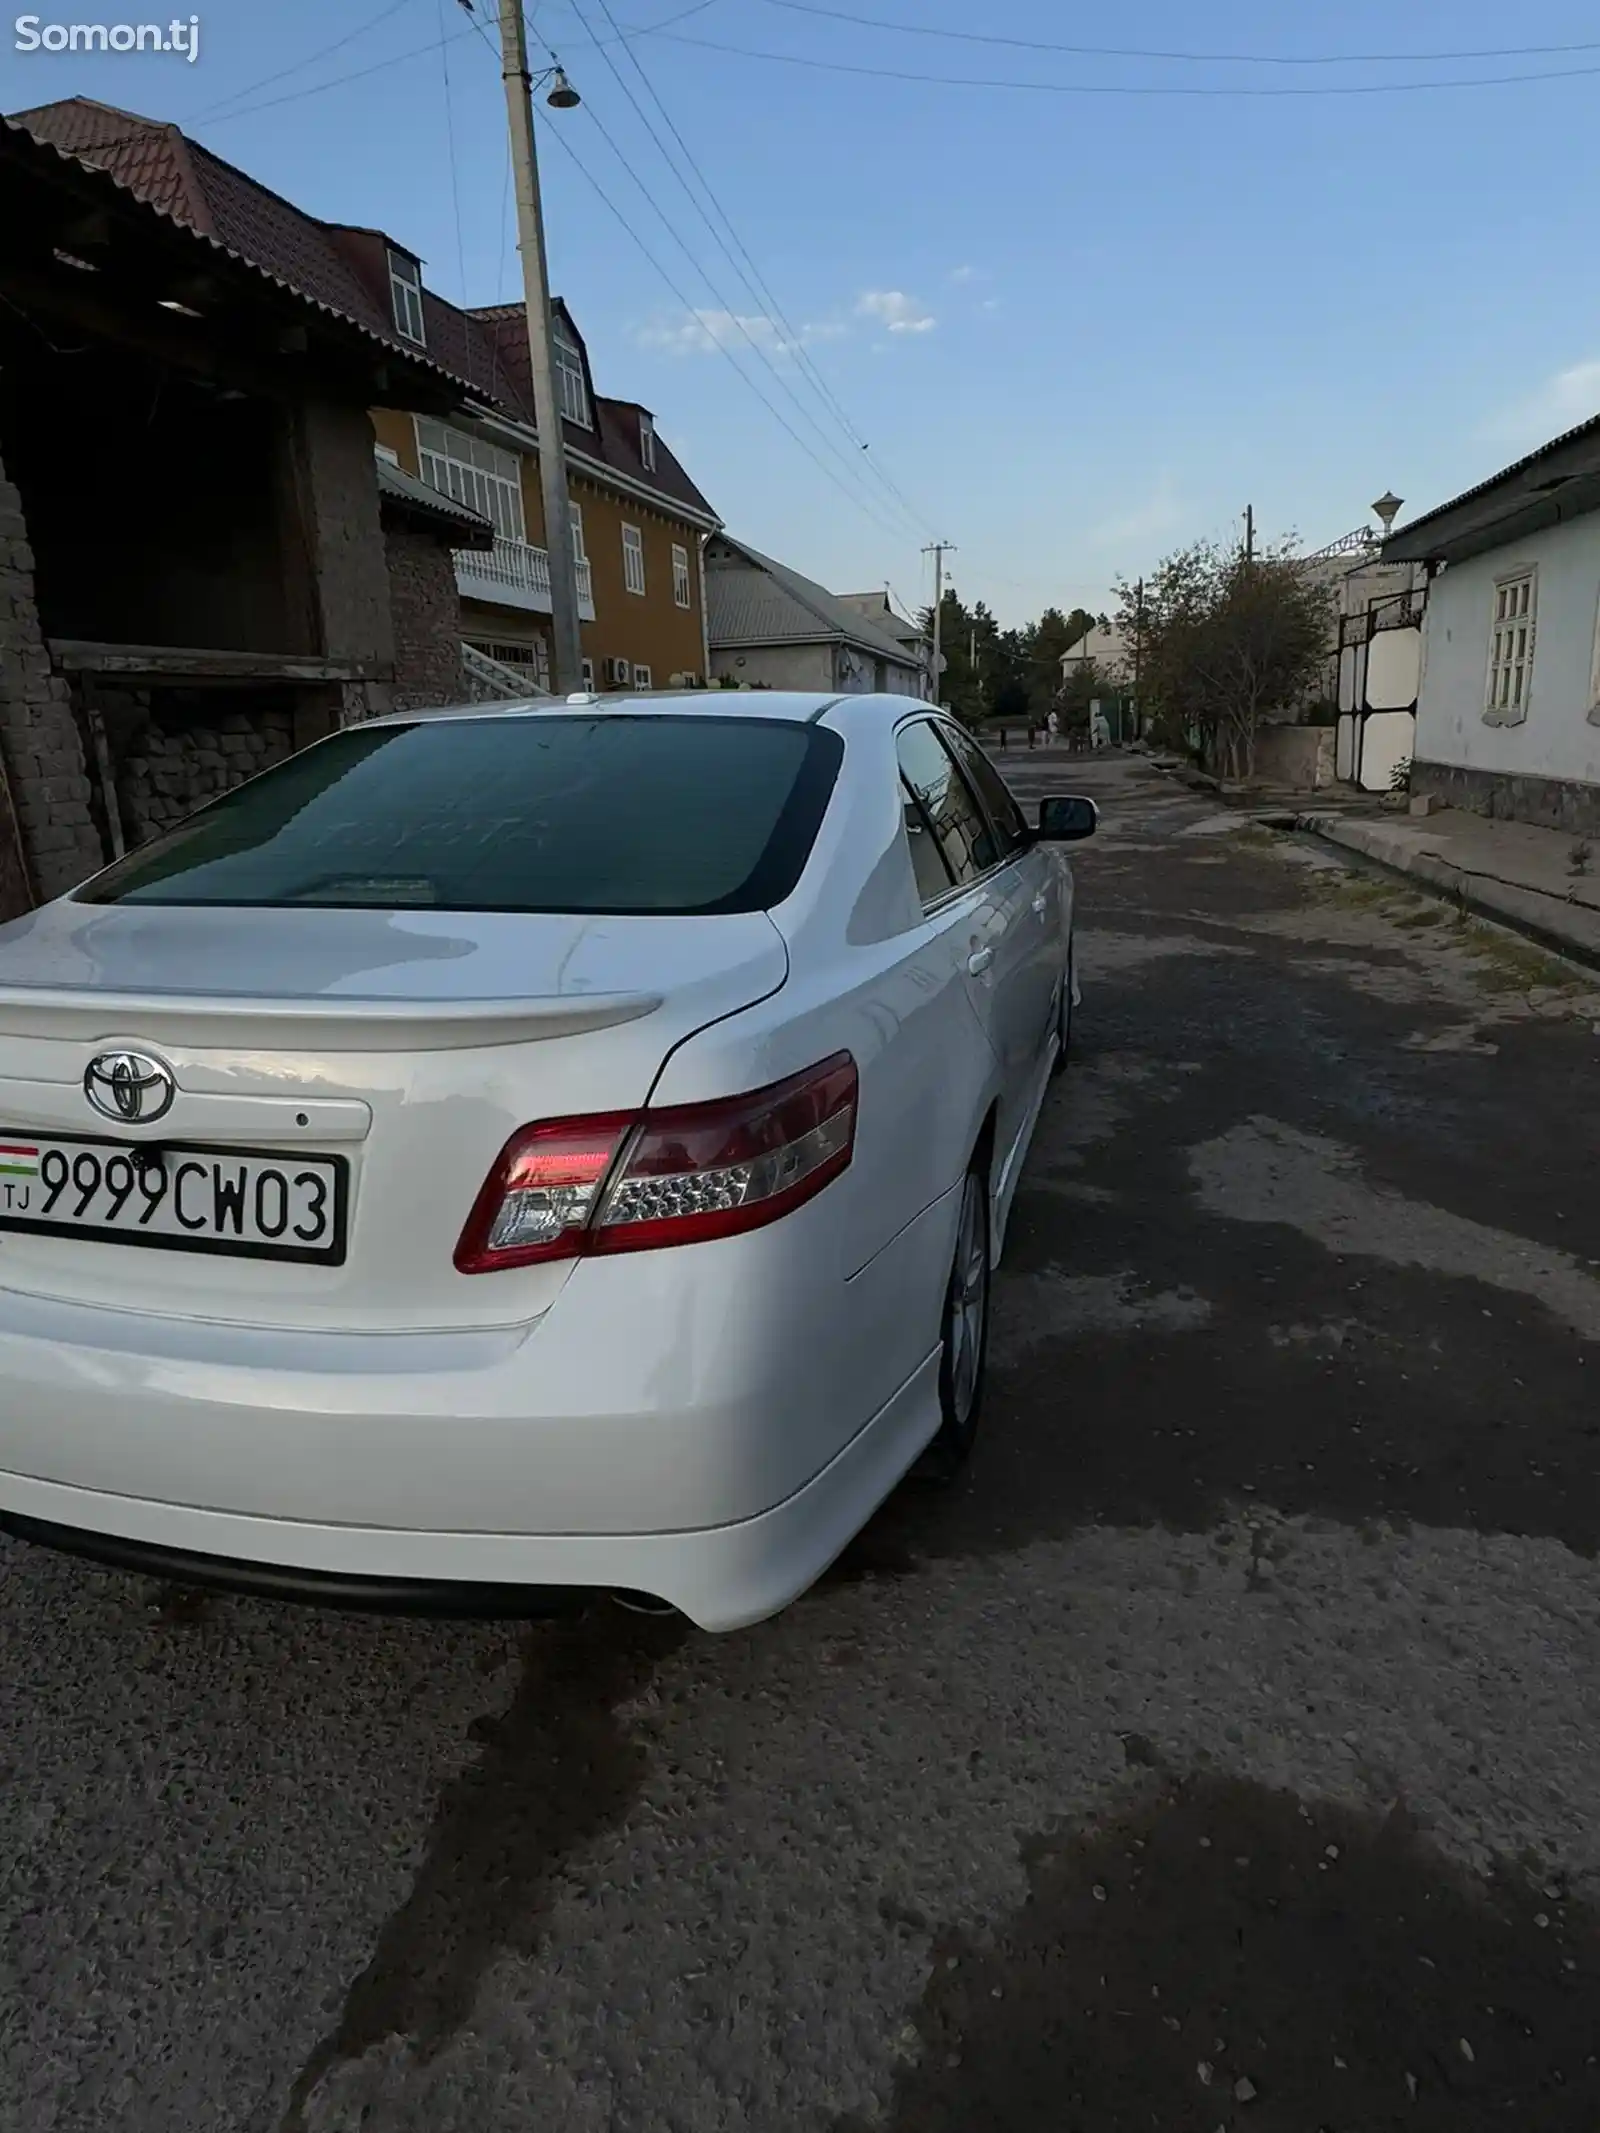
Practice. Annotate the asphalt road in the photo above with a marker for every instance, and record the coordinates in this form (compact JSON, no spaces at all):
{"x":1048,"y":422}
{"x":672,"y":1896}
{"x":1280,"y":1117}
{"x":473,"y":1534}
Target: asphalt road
{"x":1223,"y":1752}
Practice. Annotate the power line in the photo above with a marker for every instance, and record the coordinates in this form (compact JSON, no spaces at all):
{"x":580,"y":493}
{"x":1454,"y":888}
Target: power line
{"x":455,"y":167}
{"x":1061,"y":88}
{"x":731,"y":311}
{"x":1112,"y":51}
{"x":753,"y":280}
{"x":555,"y":133}
{"x":295,"y":96}
{"x":325,"y":51}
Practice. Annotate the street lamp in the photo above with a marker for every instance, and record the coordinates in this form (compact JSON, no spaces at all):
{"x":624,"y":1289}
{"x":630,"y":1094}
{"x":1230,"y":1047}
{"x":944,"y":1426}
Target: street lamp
{"x":562,"y":97}
{"x":1388,"y":509}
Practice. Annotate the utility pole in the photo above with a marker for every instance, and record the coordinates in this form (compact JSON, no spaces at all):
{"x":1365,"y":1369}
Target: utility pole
{"x":938,"y":550}
{"x":567,"y":645}
{"x":1138,"y":647}
{"x":1249,"y":533}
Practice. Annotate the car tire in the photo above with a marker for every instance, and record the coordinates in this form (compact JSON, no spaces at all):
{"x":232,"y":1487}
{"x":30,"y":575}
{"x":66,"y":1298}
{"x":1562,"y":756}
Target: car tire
{"x":1064,"y":1013}
{"x":964,"y":1353}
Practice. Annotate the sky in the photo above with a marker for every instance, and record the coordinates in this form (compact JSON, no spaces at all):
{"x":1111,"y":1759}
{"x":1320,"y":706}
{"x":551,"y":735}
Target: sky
{"x":1065,"y":326}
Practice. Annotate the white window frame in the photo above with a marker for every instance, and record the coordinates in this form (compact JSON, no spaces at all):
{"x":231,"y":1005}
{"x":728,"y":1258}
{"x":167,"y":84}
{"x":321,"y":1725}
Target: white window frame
{"x":1513,"y":629}
{"x":1594,"y":670}
{"x":473,"y":472}
{"x":572,"y":387}
{"x":387,"y":453}
{"x":633,"y":576}
{"x":647,"y":443}
{"x":586,"y":670}
{"x":580,"y":554}
{"x":642,"y":677}
{"x":405,"y":299}
{"x":682,"y":593}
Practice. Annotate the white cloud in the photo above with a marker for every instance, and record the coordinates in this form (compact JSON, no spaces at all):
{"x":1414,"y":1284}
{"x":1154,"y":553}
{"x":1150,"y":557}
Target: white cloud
{"x":963,"y":273}
{"x":1563,"y":401}
{"x":895,"y":311}
{"x":704,"y":332}
{"x":991,"y":303}
{"x":1159,"y":513}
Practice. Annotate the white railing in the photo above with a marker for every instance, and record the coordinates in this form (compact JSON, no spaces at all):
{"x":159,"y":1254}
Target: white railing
{"x":513,"y":574}
{"x":487,"y":681}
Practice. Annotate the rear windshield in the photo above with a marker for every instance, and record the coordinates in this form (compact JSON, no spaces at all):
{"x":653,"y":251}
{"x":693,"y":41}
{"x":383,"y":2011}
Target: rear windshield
{"x":612,"y":813}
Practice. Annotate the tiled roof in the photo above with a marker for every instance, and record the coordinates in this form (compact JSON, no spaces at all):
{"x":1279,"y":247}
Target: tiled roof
{"x":751,"y":600}
{"x":157,"y":166}
{"x":414,"y":499}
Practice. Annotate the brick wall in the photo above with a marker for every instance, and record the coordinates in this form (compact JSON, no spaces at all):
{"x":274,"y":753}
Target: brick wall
{"x":39,"y":740}
{"x":168,"y":774}
{"x":427,"y":619}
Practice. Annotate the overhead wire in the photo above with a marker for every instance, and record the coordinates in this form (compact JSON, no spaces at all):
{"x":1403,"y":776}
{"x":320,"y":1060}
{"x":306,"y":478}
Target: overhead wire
{"x":1232,"y":59}
{"x":1123,"y":89}
{"x":325,"y":51}
{"x":555,"y":134}
{"x":455,"y":167}
{"x":734,"y":316}
{"x":735,"y":250}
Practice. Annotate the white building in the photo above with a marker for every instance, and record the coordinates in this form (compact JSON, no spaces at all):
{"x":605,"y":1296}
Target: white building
{"x":1508,"y":709}
{"x":768,"y":626}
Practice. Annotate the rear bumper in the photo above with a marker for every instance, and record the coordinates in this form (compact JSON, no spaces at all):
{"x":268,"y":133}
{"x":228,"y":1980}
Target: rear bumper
{"x":722,"y":1577}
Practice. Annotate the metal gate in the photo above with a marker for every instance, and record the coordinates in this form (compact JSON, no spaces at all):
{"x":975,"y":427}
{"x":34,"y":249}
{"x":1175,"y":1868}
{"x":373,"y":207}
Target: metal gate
{"x":1380,"y":675}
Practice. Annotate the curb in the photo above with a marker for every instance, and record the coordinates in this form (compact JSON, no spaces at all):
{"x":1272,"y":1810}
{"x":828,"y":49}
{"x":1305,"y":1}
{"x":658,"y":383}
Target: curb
{"x":1524,"y":911}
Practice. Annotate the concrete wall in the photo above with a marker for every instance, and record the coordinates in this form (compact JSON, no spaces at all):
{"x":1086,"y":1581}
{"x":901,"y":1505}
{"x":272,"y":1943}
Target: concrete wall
{"x":427,"y":619}
{"x":42,"y":753}
{"x":1299,"y":757}
{"x":1560,"y":737}
{"x":780,"y":666}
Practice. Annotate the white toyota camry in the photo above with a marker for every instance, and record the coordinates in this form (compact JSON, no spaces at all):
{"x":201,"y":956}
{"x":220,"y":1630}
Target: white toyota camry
{"x":551,"y":1147}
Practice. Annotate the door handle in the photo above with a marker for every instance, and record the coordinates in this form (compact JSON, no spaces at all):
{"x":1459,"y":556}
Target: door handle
{"x":979,"y":961}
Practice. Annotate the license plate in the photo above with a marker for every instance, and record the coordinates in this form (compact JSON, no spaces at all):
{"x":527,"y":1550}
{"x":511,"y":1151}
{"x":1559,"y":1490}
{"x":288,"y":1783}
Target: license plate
{"x":247,"y":1203}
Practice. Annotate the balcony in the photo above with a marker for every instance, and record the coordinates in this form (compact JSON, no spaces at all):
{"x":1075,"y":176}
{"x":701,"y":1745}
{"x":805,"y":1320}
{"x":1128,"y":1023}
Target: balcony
{"x":511,"y":574}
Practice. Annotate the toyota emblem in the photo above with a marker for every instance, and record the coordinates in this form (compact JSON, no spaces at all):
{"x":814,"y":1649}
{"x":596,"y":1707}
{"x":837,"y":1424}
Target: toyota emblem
{"x":130,"y":1087}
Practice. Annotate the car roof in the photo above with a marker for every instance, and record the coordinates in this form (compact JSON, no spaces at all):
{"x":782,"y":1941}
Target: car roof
{"x":795,"y":706}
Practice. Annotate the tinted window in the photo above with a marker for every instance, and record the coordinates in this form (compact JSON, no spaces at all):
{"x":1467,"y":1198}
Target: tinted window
{"x":964,"y":836}
{"x":927,"y":861}
{"x":580,"y":814}
{"x":992,"y":790}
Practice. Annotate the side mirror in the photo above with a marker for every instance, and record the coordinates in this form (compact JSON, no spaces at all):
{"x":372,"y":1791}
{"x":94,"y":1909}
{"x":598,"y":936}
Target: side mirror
{"x":1067,"y":818}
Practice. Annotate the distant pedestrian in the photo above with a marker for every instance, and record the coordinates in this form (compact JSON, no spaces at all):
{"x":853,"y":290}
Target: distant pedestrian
{"x":1053,"y":726}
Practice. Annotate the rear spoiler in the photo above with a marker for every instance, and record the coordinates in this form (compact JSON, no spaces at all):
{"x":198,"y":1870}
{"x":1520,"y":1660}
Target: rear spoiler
{"x":343,"y":1024}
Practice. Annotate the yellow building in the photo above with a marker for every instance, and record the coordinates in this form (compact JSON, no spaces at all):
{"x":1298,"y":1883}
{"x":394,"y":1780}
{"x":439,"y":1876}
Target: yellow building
{"x":639,"y":523}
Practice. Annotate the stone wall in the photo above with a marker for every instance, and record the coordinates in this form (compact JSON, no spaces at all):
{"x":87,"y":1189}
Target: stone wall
{"x":43,"y":756}
{"x":167,"y":774}
{"x":427,"y":619}
{"x":1569,"y":804}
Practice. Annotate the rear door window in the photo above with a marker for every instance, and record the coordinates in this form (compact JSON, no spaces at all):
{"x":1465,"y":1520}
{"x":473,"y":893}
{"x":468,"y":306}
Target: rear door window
{"x":959,"y":826}
{"x":1010,"y":824}
{"x":607,"y":813}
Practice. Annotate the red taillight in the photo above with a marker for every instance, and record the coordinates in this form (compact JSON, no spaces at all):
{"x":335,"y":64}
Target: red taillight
{"x":634,"y":1182}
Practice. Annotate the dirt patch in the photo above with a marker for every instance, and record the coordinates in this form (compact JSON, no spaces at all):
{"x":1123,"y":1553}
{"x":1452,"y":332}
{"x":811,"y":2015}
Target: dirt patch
{"x":1229,"y":1956}
{"x":1055,"y":1305}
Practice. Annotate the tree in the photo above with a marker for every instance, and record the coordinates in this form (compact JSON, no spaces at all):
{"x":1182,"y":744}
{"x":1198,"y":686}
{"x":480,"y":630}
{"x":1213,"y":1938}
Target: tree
{"x":1224,"y":640}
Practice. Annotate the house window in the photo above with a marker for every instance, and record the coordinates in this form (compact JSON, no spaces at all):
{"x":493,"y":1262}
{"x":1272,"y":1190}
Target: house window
{"x":647,"y":443}
{"x":641,"y":677}
{"x":633,"y":559}
{"x":572,"y":388}
{"x":680,"y":575}
{"x":580,"y":554}
{"x":405,"y":292}
{"x":1511,"y":649}
{"x":1594,"y":675}
{"x":474,"y":472}
{"x":587,"y":672}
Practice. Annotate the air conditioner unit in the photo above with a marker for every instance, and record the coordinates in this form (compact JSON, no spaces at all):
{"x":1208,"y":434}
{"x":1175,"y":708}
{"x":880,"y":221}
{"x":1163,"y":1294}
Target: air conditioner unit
{"x":619,"y":671}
